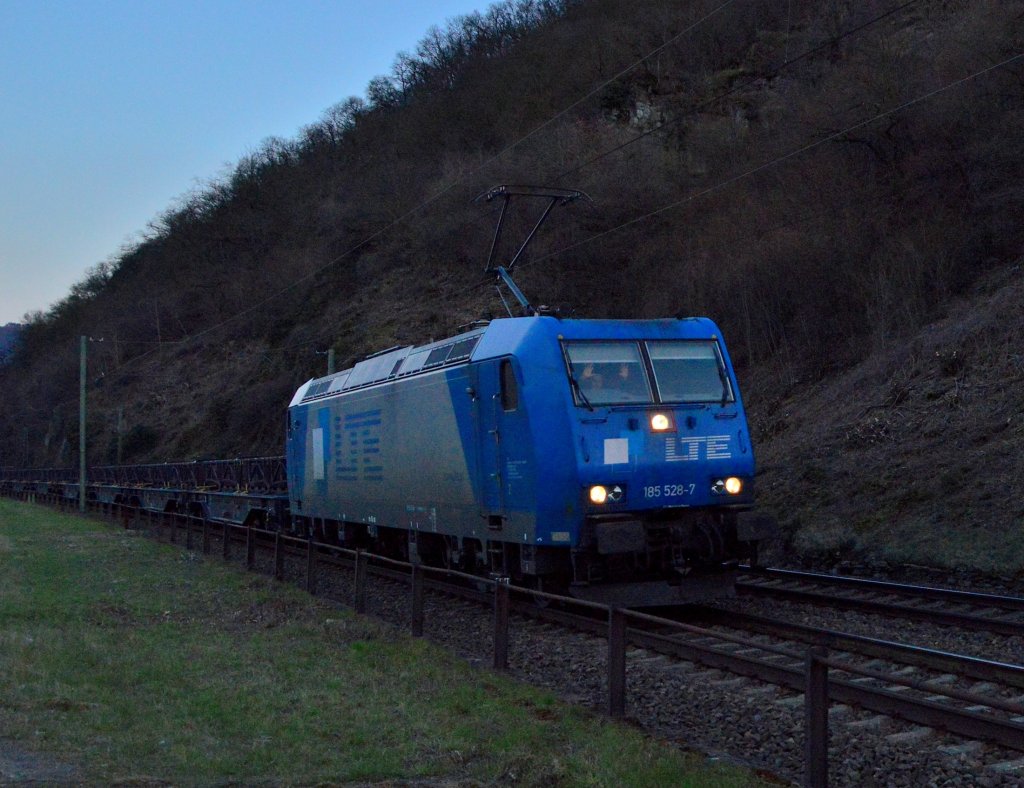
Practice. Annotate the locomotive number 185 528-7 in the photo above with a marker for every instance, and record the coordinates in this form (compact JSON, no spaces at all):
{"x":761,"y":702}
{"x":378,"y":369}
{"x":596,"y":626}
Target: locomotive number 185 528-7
{"x":668,"y":490}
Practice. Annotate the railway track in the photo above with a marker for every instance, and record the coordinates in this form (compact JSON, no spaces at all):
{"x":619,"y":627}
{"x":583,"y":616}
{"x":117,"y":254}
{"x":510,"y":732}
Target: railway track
{"x":923,"y":693}
{"x":977,"y":699}
{"x":1003,"y":615}
{"x":974,"y":698}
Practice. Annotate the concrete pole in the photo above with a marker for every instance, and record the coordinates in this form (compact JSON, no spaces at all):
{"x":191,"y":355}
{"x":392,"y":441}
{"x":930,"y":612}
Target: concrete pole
{"x":81,"y":426}
{"x":330,"y":361}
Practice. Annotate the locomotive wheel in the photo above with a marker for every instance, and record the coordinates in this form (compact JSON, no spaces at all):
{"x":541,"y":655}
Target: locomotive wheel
{"x":713,"y":547}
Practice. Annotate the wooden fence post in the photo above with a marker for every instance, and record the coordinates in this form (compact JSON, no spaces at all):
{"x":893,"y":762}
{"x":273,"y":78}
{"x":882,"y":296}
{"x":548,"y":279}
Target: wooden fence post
{"x":250,"y":548}
{"x":417,"y":601}
{"x":310,"y":566}
{"x":816,"y":718}
{"x":616,"y":663}
{"x":360,"y":590}
{"x":501,"y":623}
{"x":278,"y":557}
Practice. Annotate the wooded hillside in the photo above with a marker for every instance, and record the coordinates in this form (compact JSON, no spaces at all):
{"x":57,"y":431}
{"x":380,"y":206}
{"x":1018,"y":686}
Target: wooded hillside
{"x":823,"y":179}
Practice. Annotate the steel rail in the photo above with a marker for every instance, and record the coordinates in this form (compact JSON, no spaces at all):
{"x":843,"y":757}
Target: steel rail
{"x":974,"y":725}
{"x":1000,"y":626}
{"x":888,"y":587}
{"x":918,"y":656}
{"x":926,"y":685}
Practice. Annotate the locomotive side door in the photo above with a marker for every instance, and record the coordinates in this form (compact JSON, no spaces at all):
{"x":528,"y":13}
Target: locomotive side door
{"x":496,"y":404}
{"x":488,"y":441}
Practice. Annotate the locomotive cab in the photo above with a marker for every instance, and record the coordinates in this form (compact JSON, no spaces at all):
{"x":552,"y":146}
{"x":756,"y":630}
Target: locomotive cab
{"x":671,"y":470}
{"x":663,"y":466}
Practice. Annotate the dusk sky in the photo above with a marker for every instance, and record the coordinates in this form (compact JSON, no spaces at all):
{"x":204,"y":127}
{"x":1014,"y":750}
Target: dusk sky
{"x":111,"y":110}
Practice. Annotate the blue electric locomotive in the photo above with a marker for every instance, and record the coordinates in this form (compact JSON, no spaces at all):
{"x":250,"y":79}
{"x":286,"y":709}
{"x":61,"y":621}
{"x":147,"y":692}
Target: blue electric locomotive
{"x":554,"y":451}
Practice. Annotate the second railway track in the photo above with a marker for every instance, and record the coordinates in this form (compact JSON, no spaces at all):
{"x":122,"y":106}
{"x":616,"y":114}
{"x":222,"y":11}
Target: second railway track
{"x":1003,"y":615}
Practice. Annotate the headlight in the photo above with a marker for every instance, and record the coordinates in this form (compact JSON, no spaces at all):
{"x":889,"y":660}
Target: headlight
{"x":600,"y":494}
{"x":660,"y":422}
{"x":733,"y":485}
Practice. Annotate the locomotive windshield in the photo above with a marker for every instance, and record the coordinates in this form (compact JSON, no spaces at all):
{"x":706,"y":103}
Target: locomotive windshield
{"x":608,"y":373}
{"x":614,"y":373}
{"x":689,"y":371}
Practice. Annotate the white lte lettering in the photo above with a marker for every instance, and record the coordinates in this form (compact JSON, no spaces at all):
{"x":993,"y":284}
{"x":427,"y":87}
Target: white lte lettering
{"x":688,"y":449}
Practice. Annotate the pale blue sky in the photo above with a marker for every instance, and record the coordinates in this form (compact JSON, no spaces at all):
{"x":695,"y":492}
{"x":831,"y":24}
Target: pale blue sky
{"x":111,"y":109}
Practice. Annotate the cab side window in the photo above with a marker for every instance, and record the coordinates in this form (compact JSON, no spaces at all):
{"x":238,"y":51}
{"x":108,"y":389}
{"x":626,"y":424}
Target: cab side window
{"x":509,"y":387}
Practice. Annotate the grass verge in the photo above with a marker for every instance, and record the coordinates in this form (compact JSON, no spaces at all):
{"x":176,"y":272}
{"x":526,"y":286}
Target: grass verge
{"x":134,"y":660}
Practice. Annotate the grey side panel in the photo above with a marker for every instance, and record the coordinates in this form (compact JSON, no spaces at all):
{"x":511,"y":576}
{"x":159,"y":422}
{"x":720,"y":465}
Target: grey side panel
{"x":394,"y":458}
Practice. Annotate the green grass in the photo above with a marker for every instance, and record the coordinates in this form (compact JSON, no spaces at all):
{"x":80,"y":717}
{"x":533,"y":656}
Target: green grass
{"x":132,"y":659}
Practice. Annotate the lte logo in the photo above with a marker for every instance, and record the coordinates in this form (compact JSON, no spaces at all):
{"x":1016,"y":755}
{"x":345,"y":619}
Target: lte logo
{"x":716,"y":447}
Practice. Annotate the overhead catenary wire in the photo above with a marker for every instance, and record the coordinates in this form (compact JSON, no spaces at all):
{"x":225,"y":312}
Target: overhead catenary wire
{"x":779,"y":159}
{"x":759,"y":233}
{"x":159,"y":345}
{"x":311,"y":345}
{"x":678,"y":203}
{"x":455,"y":182}
{"x":828,"y":43}
{"x":292,"y":285}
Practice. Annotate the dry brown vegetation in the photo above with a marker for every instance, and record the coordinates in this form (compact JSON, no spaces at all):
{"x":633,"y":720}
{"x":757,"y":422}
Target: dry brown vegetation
{"x":914,"y":454}
{"x":359,"y":233}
